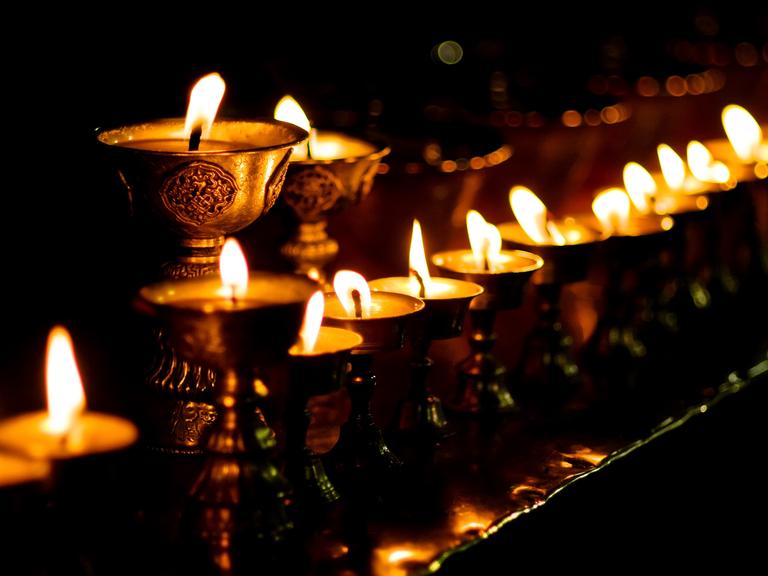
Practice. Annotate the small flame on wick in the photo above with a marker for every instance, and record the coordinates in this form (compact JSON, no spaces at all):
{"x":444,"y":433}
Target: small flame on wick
{"x":353,"y":293}
{"x":204,"y":101}
{"x":233,"y":269}
{"x":66,"y":397}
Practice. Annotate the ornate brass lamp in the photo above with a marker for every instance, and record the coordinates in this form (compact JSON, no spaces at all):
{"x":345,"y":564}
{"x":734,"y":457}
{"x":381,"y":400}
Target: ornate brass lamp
{"x":196,"y":197}
{"x":239,"y":496}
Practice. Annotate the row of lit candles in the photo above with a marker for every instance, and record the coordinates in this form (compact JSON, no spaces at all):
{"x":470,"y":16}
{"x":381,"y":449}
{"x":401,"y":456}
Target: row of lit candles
{"x":67,"y":431}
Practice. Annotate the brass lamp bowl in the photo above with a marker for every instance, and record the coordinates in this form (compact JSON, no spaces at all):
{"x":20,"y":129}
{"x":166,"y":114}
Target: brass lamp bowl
{"x":204,"y":194}
{"x":257,"y":328}
{"x":563,"y":264}
{"x":379,"y":333}
{"x":501,"y":290}
{"x":443,"y":317}
{"x":316,"y":188}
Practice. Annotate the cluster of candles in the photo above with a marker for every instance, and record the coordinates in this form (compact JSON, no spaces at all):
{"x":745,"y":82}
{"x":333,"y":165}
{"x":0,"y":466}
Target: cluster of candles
{"x":67,"y":430}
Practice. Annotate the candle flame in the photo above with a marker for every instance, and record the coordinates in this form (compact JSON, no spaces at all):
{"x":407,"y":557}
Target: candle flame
{"x":66,"y":397}
{"x":233,"y":269}
{"x":417,"y":261}
{"x":743,"y":133}
{"x":485,"y":240}
{"x":531,"y":213}
{"x":313,"y":317}
{"x":204,"y":102}
{"x":672,"y":167}
{"x":345,"y":282}
{"x":612,"y":210}
{"x":288,"y":110}
{"x":640,"y":186}
{"x":555,"y":234}
{"x":703,"y":166}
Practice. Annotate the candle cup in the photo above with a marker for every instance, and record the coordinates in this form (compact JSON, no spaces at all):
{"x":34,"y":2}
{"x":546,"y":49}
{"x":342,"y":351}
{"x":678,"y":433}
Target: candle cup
{"x":422,"y":413}
{"x":239,"y":493}
{"x":314,"y":373}
{"x":482,"y":386}
{"x":548,"y":375}
{"x":196,"y":198}
{"x":316,"y":188}
{"x":363,"y":464}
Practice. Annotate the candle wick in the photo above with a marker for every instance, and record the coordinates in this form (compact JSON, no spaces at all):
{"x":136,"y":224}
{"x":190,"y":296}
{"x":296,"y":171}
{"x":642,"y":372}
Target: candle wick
{"x":195,"y":137}
{"x":357,"y":300}
{"x":233,"y":295}
{"x":310,"y":141}
{"x":420,"y":280}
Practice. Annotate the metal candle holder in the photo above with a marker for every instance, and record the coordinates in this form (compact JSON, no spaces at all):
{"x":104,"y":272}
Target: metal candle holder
{"x":196,"y":198}
{"x":313,"y":374}
{"x":317,"y":188}
{"x":363,"y":463}
{"x":239,"y":495}
{"x":482,"y":386}
{"x":443,"y":318}
{"x":549,"y":375}
{"x":617,"y":348}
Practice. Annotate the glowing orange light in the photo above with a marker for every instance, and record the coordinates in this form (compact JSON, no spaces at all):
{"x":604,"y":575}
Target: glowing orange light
{"x":530,"y":212}
{"x":233,"y":270}
{"x":744,"y":134}
{"x":417,"y":260}
{"x":64,"y":388}
{"x":612,"y":210}
{"x":313,"y":318}
{"x":672,"y":167}
{"x":703,"y":166}
{"x":345,"y":284}
{"x":204,"y":101}
{"x":288,"y":110}
{"x":485,"y":240}
{"x":640,"y":186}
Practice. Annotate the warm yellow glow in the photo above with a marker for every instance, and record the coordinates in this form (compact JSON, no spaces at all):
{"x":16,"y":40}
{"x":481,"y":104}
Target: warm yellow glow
{"x":640,"y":186}
{"x":530,"y":212}
{"x":66,"y":397}
{"x":667,"y":222}
{"x":314,"y":274}
{"x":703,"y":166}
{"x":204,"y":102}
{"x":672,"y":167}
{"x":485,"y":240}
{"x":417,"y":260}
{"x":345,"y":283}
{"x":233,"y":269}
{"x":612,"y":209}
{"x":288,"y":110}
{"x":397,"y":556}
{"x":743,"y":132}
{"x":555,"y":234}
{"x":313,"y":317}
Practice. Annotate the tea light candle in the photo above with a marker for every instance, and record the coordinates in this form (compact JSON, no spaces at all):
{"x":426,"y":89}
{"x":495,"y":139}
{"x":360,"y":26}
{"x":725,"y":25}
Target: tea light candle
{"x":66,"y":430}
